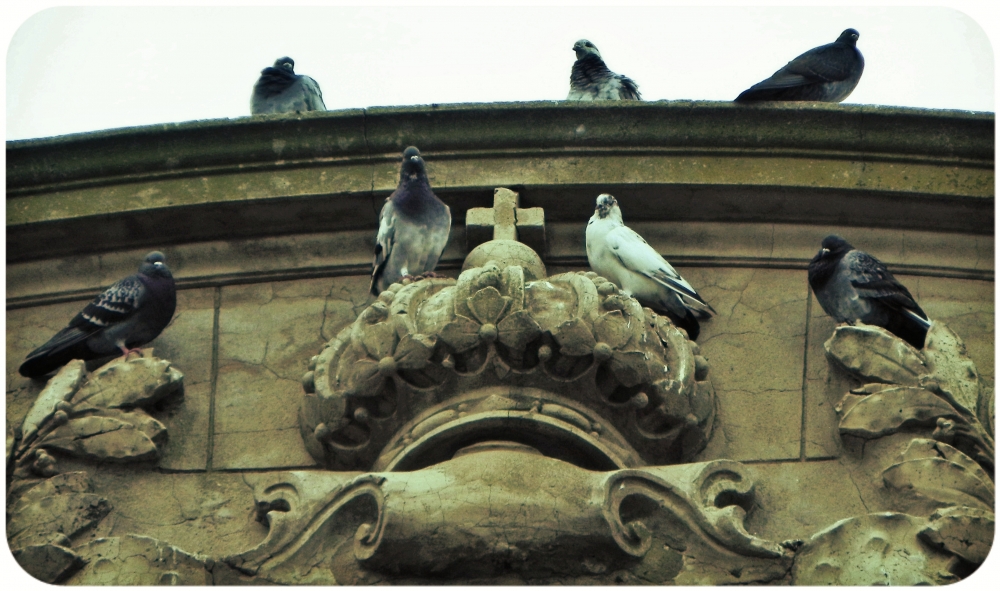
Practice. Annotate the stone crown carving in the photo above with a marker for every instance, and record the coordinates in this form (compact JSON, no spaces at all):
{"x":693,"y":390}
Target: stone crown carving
{"x":571,"y":350}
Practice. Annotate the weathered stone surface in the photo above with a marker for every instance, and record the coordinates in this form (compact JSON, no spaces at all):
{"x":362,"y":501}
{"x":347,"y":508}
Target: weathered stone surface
{"x":47,"y":563}
{"x":873,"y":354}
{"x":139,"y":560}
{"x":256,"y":426}
{"x":755,"y":347}
{"x":202,"y":513}
{"x":55,"y":518}
{"x":797,"y":499}
{"x":187,"y":343}
{"x":874,"y":549}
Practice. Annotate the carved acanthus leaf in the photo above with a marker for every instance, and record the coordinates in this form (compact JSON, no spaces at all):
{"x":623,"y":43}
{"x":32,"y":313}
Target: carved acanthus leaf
{"x":874,"y":354}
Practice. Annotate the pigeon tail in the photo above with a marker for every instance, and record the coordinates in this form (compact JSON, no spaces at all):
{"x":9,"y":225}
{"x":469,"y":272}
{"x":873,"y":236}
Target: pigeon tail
{"x":42,"y":362}
{"x":907,"y":329}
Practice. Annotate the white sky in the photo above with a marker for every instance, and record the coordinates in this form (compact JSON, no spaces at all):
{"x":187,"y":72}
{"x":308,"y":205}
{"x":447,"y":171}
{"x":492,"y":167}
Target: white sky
{"x":73,"y":69}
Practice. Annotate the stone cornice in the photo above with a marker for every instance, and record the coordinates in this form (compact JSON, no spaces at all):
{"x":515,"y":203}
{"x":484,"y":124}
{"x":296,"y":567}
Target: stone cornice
{"x":323,"y":172}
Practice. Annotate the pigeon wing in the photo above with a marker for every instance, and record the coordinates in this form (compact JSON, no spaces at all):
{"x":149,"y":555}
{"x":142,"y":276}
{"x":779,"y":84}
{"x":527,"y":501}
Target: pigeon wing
{"x":629,"y":89}
{"x":383,"y":243}
{"x":117,"y":304}
{"x":313,"y":95}
{"x":873,"y":280}
{"x":636,"y":255}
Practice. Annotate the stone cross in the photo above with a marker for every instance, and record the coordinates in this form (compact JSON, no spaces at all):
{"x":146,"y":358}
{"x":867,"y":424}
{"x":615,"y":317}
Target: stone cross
{"x":506,"y":221}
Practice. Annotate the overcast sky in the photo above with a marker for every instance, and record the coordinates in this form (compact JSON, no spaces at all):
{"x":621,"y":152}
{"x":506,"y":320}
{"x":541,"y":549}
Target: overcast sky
{"x":74,"y":69}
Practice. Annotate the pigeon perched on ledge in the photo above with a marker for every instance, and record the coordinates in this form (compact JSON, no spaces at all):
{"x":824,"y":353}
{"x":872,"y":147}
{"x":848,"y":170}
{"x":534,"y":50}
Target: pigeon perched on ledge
{"x":851,"y":285}
{"x":127,"y":315}
{"x":827,"y":73}
{"x":413,"y":227}
{"x":280,"y":90}
{"x":591,"y":80}
{"x":620,"y":255}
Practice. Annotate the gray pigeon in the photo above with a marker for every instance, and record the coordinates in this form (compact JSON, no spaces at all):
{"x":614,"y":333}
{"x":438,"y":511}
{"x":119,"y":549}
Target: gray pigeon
{"x":413,"y":227}
{"x":620,"y":255}
{"x":826,"y":73}
{"x":852,"y":286}
{"x":591,"y":80}
{"x":127,"y":315}
{"x":280,"y":90}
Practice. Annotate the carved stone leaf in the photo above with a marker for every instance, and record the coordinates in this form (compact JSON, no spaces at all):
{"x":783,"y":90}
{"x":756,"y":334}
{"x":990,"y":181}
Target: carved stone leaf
{"x":139,"y":382}
{"x":928,"y":448}
{"x":55,"y":517}
{"x":630,"y":368}
{"x":413,"y":351}
{"x":68,"y":482}
{"x":487,"y":305}
{"x":122,"y":438}
{"x":363,"y":378}
{"x":613,"y":329}
{"x":574,"y":338}
{"x":378,"y":339}
{"x":927,"y":483}
{"x":951,"y":367}
{"x":878,"y":415}
{"x":461,"y":333}
{"x":963,"y":531}
{"x":518,"y":329}
{"x":60,"y":387}
{"x":872,"y":353}
{"x":874,"y":549}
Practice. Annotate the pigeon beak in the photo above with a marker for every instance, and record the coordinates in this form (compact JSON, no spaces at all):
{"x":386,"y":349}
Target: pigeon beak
{"x":824,"y":251}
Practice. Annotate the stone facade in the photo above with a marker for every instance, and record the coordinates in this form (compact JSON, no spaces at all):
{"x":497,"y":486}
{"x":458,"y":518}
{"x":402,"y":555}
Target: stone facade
{"x":512,"y":463}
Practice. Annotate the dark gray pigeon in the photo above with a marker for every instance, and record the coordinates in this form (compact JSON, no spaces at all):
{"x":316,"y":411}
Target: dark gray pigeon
{"x":280,"y":90}
{"x":852,"y":285}
{"x":591,"y":80}
{"x":129,"y":314}
{"x":826,"y":73}
{"x":413,"y":227}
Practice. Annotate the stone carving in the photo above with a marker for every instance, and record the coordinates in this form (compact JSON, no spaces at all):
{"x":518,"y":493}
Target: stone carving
{"x":574,"y":339}
{"x":928,"y":405}
{"x":498,"y":509}
{"x":99,"y":417}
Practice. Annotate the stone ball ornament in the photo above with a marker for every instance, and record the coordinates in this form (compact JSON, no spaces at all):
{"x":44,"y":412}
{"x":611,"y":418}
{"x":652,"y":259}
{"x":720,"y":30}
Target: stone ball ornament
{"x":567,"y":365}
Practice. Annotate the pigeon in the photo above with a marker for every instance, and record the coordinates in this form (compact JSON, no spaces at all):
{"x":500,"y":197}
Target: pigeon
{"x":827,"y":73}
{"x":591,"y":80}
{"x":280,"y":90}
{"x":852,"y":286}
{"x":413,"y":227}
{"x":127,"y":315}
{"x":617,"y":253}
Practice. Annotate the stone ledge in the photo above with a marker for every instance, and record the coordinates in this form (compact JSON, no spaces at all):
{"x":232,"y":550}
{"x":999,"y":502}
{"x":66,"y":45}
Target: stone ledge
{"x":328,"y":172}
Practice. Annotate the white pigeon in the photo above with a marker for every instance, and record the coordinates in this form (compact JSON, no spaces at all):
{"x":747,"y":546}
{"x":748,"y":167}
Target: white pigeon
{"x":620,"y":255}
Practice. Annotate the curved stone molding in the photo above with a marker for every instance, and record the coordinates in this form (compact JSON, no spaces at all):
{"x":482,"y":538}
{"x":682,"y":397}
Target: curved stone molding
{"x":574,"y":335}
{"x":308,"y":513}
{"x":712,"y":505}
{"x":503,"y":507}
